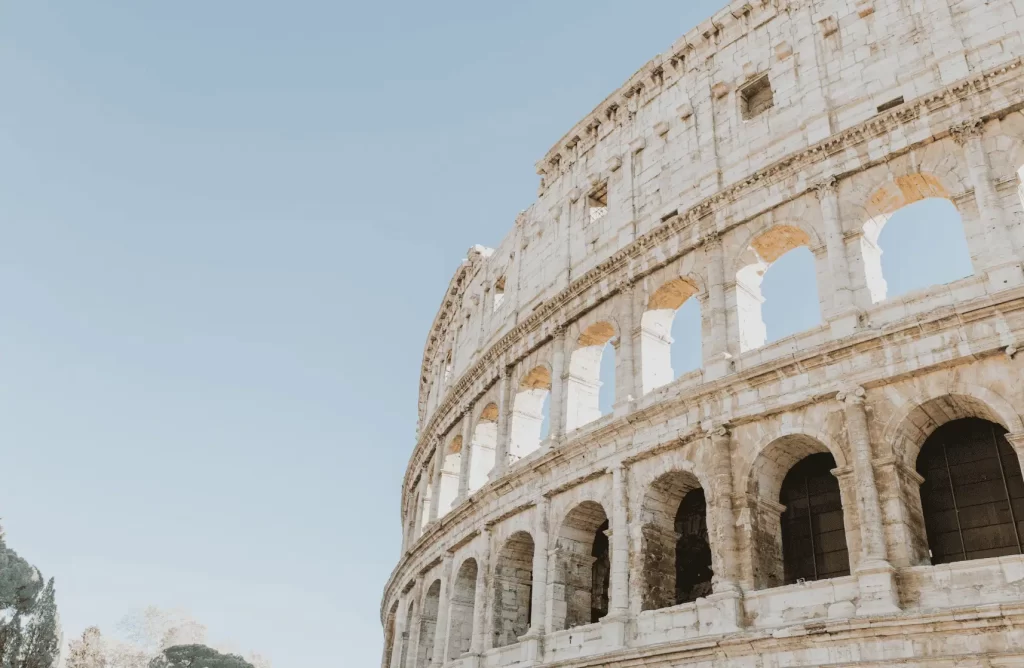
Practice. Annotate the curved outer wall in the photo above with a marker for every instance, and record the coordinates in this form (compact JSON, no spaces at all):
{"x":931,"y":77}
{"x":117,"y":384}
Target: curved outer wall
{"x":772,"y":125}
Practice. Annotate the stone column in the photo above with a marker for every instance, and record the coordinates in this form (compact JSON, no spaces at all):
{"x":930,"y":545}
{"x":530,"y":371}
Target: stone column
{"x":717,"y":354}
{"x":417,"y":520}
{"x":724,"y":520}
{"x":417,"y":618}
{"x":876,"y":575}
{"x":504,"y":422}
{"x":614,"y":629}
{"x":844,"y":317}
{"x":559,"y":378}
{"x":539,"y":594}
{"x":625,"y":353}
{"x":441,"y":631}
{"x":1001,"y":264}
{"x":435,"y":495}
{"x":466,"y":460}
{"x":479,"y":642}
{"x":401,"y":633}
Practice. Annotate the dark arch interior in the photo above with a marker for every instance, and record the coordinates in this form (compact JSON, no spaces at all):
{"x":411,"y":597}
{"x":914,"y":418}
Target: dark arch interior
{"x":813,"y":532}
{"x":693,"y":551}
{"x":972,"y":495}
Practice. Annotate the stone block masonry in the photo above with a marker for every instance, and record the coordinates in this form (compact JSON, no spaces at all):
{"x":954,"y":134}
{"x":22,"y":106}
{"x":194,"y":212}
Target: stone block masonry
{"x":847,"y":496}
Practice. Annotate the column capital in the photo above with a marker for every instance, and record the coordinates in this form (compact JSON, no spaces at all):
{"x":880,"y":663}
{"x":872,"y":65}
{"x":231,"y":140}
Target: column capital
{"x":827,"y":185}
{"x":711,"y":240}
{"x":964,"y":131}
{"x":851,"y":396}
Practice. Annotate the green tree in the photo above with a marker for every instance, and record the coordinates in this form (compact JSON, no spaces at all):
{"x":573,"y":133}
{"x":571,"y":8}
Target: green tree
{"x":42,"y":635}
{"x":197,"y":656}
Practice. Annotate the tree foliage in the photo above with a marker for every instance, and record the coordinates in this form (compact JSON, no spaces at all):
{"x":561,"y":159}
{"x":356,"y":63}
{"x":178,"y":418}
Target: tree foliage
{"x":87,"y":651}
{"x":30,"y":633}
{"x":197,"y":656}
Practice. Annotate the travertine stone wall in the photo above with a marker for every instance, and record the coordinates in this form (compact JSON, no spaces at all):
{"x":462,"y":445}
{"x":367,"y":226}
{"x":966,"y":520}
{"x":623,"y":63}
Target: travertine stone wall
{"x":773,"y":125}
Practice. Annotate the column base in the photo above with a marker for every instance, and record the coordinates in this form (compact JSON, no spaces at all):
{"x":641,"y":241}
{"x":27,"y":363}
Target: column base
{"x":1004,"y":276}
{"x":623,"y":407}
{"x":532,"y":648}
{"x":717,"y":366}
{"x":471,"y":660}
{"x":721,"y":612}
{"x":613,"y":630}
{"x":879,"y":594}
{"x":845,"y":322}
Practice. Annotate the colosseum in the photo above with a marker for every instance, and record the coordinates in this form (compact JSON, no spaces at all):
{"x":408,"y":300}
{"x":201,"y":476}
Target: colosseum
{"x":807,"y":501}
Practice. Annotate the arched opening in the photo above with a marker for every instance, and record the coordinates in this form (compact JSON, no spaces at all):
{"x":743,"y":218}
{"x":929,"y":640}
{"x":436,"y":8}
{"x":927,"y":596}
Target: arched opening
{"x":529,"y":413}
{"x":813,"y":530}
{"x":676,"y":550}
{"x":972,"y":496}
{"x":425,"y":509}
{"x":927,"y":246}
{"x":513,"y":590}
{"x":450,"y":468}
{"x":919,"y":245}
{"x":582,"y":568}
{"x":671,"y":316}
{"x":389,"y":635}
{"x":790,"y":288}
{"x":428,"y":626}
{"x":460,"y":631}
{"x":407,"y":634}
{"x":499,"y":293}
{"x":589,"y":368}
{"x":448,"y":367}
{"x":485,"y":440}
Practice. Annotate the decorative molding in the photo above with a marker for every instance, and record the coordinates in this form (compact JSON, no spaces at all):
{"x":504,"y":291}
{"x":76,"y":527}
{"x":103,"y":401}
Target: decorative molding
{"x":964,"y":131}
{"x":479,"y":373}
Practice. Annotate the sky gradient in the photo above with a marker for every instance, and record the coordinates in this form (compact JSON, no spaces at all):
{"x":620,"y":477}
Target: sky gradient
{"x":226,"y":229}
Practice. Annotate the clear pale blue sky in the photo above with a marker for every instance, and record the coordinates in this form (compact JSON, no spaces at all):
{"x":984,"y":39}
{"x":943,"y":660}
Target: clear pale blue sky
{"x":226,"y":228}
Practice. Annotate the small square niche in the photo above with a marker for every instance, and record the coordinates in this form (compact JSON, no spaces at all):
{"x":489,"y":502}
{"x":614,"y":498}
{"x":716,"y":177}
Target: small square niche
{"x":756,"y":97}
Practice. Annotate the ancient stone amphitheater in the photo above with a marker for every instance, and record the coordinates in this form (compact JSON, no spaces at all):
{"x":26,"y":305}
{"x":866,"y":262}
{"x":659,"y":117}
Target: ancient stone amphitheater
{"x":847,"y":496}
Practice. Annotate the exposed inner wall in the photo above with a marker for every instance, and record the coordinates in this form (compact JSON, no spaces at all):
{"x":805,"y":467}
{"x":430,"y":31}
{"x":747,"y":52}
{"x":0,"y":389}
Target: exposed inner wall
{"x":758,"y":81}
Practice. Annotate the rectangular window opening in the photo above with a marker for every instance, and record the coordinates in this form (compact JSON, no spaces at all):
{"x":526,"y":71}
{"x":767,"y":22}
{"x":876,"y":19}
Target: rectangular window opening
{"x":597,"y":203}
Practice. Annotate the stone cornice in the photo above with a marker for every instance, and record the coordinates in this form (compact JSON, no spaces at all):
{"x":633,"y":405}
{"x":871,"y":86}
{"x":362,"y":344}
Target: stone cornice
{"x":558,"y":310}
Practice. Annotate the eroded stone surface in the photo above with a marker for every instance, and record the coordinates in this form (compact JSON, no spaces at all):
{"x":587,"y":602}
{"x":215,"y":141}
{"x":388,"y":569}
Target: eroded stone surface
{"x":688,"y":183}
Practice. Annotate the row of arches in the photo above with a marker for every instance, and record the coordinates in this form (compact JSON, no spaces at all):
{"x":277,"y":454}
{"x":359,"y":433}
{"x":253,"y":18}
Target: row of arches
{"x":928,"y":248}
{"x":913,"y":239}
{"x":971,"y":504}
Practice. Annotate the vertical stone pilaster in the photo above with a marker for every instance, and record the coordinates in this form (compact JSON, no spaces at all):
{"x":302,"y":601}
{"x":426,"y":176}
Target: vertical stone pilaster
{"x":625,"y":354}
{"x":401,"y":633}
{"x":844,"y":316}
{"x":875,"y":574}
{"x":466,"y":460}
{"x":559,"y":378}
{"x":417,"y":617}
{"x":614,"y":629}
{"x":724,"y":520}
{"x":504,"y":422}
{"x":1001,"y":264}
{"x":435,"y":496}
{"x":717,"y":348}
{"x":444,"y":603}
{"x":479,"y":642}
{"x":540,"y":596}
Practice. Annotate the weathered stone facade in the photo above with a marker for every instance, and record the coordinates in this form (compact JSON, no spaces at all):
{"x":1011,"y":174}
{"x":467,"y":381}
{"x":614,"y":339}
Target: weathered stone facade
{"x":774,"y":124}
